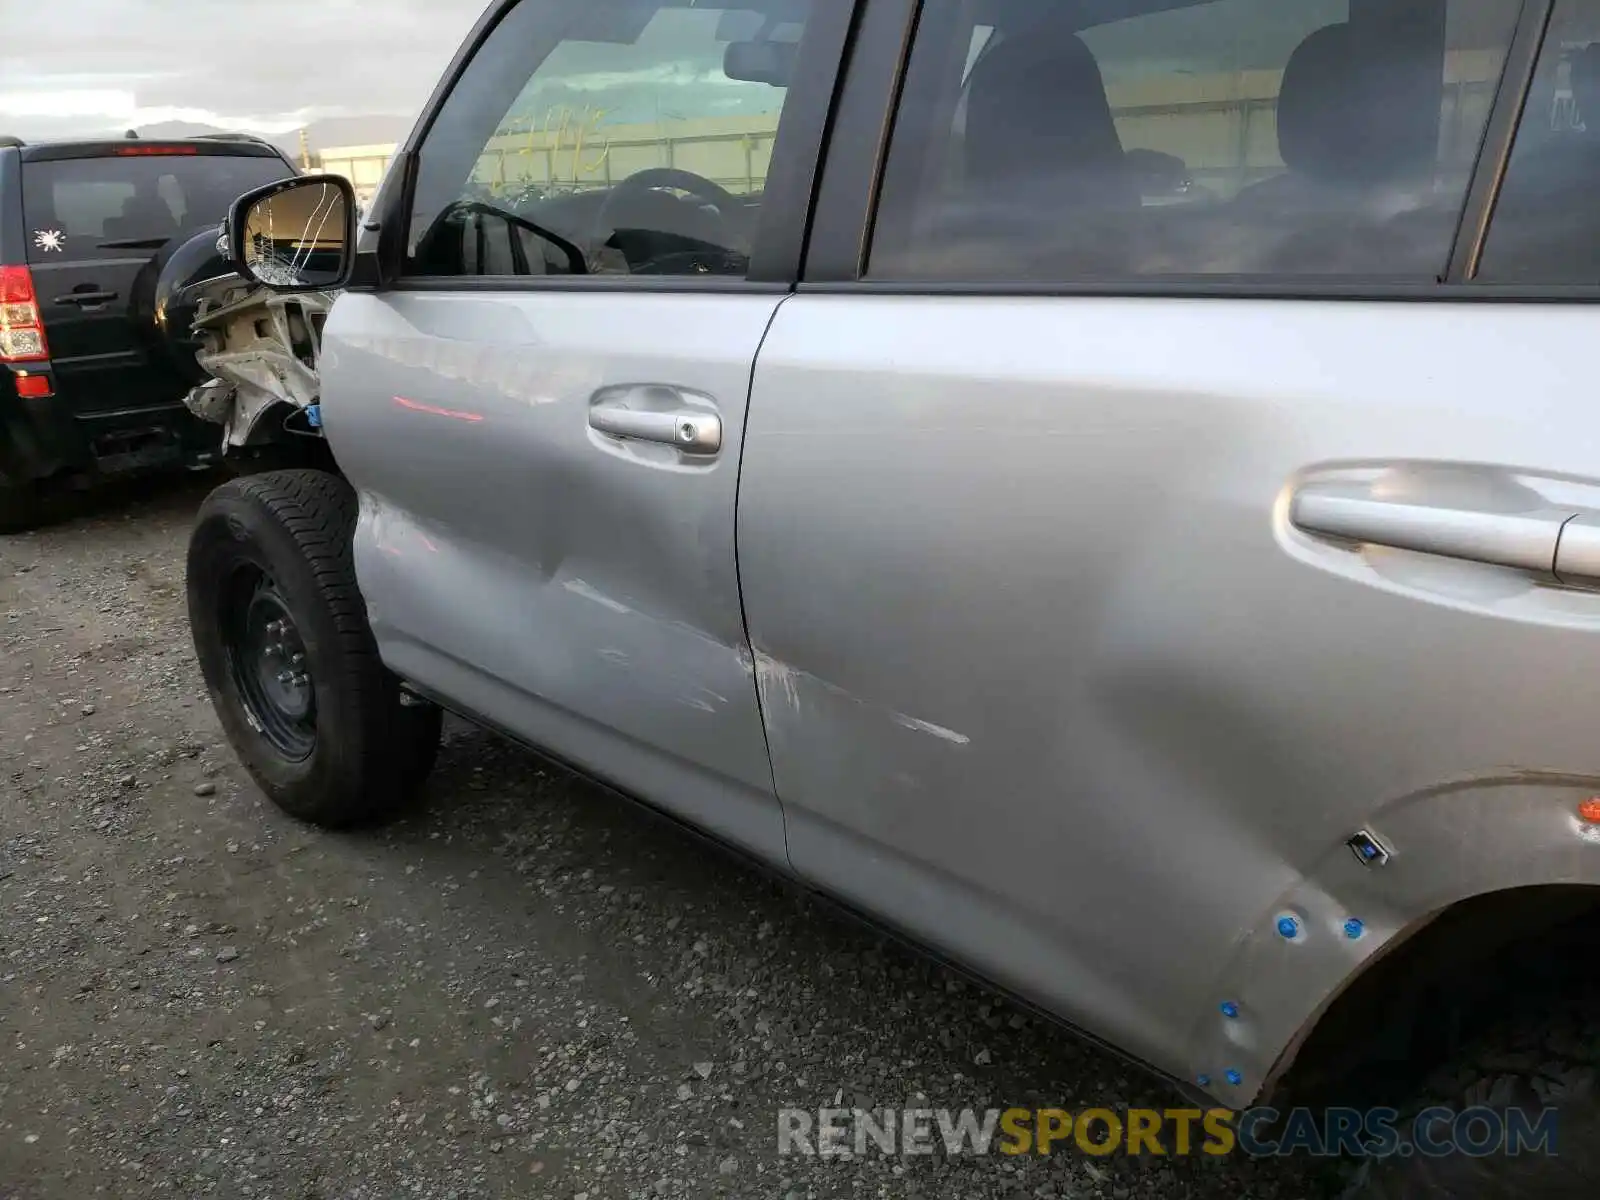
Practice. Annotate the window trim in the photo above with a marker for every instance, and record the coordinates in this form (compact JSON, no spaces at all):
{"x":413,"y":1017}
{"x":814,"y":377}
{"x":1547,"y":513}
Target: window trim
{"x":869,"y":94}
{"x":1499,"y":137}
{"x":786,"y":204}
{"x":1219,"y":287}
{"x":848,"y":198}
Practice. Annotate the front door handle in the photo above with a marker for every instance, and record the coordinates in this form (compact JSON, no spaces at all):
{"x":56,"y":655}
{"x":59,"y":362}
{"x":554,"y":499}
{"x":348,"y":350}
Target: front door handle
{"x":1523,"y":540}
{"x":691,"y":430}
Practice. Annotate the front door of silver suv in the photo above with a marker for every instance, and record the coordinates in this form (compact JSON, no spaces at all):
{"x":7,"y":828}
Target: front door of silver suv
{"x":545,"y":416}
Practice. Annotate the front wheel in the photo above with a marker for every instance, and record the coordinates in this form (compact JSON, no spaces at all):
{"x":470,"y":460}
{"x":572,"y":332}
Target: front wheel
{"x":281,"y":632}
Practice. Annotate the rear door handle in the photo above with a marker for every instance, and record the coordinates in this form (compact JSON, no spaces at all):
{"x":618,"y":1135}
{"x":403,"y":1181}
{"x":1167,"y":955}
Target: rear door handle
{"x":86,"y":298}
{"x":691,"y":430}
{"x":1524,"y":540}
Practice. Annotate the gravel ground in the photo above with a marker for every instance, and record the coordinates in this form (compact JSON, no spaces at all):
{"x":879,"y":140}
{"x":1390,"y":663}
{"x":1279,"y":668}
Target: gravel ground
{"x":525,"y":987}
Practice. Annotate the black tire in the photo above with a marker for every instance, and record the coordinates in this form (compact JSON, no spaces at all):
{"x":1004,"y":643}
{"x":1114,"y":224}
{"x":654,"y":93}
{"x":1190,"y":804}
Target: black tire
{"x":19,"y":507}
{"x":340,"y":748}
{"x":1543,"y":1055}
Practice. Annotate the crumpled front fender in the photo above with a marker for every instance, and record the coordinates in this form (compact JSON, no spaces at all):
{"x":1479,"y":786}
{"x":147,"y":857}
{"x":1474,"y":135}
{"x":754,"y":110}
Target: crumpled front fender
{"x":261,"y":351}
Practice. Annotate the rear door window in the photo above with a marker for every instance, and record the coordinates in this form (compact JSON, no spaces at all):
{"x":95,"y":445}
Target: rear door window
{"x":93,"y":207}
{"x":1120,"y":139}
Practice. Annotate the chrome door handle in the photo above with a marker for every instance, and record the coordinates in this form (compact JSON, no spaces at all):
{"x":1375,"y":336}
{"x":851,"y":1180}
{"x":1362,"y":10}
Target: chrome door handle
{"x":1523,"y":540}
{"x":692,"y":431}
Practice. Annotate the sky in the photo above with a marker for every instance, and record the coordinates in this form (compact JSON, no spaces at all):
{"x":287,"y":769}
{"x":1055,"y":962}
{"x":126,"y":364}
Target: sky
{"x":71,"y":67}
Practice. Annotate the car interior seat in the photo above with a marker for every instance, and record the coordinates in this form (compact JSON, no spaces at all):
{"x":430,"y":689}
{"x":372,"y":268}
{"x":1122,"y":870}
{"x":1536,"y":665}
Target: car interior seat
{"x":1335,"y":120}
{"x":1039,"y":127}
{"x":1038,"y":158}
{"x":1354,"y":173}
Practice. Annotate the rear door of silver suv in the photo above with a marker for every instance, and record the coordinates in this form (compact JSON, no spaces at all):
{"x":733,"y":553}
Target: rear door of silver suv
{"x":544,"y":417}
{"x":1163,"y":519}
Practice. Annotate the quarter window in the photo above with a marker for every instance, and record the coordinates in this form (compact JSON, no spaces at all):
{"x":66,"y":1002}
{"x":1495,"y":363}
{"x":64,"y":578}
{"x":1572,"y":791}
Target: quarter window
{"x":1114,"y":139}
{"x":608,"y":137}
{"x":1546,"y":227}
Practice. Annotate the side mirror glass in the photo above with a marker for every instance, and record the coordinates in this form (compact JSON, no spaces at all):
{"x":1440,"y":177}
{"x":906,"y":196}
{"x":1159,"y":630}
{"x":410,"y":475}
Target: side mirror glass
{"x":297,"y":235}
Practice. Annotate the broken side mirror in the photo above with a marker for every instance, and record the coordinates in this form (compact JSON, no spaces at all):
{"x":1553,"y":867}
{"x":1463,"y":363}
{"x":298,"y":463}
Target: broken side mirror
{"x":296,"y":235}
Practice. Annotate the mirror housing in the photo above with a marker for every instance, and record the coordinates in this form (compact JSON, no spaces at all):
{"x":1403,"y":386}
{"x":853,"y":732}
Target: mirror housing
{"x":296,"y":235}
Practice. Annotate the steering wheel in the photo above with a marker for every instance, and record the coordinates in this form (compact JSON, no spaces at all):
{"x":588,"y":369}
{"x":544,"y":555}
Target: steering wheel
{"x":653,"y":178}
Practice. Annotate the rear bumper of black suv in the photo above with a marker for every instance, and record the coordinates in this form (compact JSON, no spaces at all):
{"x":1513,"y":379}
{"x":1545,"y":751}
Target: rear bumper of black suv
{"x":46,"y":439}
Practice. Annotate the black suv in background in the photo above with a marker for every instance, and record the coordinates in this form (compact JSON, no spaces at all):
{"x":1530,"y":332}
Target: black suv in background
{"x":88,"y":385}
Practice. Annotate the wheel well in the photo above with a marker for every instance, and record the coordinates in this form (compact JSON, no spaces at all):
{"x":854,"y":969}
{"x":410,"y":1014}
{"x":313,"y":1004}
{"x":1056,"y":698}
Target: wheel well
{"x":1438,"y":988}
{"x":269,"y":425}
{"x":271,"y":447}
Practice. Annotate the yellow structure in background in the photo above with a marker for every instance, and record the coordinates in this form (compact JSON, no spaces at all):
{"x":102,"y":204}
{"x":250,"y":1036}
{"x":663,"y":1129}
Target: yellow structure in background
{"x":363,"y":166}
{"x":576,"y":150}
{"x":1224,"y":128}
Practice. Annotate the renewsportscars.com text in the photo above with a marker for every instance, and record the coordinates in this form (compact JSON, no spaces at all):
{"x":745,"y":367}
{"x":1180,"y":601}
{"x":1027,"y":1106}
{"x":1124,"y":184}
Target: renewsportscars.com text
{"x":1257,"y":1132}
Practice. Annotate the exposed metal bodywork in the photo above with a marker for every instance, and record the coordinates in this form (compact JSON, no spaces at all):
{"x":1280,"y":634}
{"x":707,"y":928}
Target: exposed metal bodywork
{"x":262,"y":351}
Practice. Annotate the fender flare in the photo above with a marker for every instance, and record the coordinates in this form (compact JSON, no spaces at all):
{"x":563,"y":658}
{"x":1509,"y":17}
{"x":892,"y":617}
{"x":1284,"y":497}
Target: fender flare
{"x":1445,"y":845}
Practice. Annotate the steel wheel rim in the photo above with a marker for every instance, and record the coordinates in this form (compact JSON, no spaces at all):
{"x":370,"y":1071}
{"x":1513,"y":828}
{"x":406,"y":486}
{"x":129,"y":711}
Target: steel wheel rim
{"x":268,"y":663}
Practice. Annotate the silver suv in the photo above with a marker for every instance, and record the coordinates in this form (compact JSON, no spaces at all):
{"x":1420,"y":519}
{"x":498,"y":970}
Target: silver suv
{"x":1099,"y":486}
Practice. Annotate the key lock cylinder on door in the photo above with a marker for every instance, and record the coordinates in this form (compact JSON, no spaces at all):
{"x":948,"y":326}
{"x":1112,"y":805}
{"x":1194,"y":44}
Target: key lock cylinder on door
{"x":658,"y":414}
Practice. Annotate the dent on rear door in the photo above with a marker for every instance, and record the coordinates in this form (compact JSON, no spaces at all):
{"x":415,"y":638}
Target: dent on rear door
{"x":576,"y":588}
{"x":1053,"y":682}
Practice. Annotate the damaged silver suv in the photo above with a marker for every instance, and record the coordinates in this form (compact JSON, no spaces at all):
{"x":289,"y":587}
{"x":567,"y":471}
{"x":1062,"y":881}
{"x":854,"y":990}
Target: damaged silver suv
{"x":1100,"y":487}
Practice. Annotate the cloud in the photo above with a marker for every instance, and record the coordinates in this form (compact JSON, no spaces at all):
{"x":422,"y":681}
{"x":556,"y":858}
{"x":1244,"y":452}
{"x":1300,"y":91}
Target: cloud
{"x":93,"y":66}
